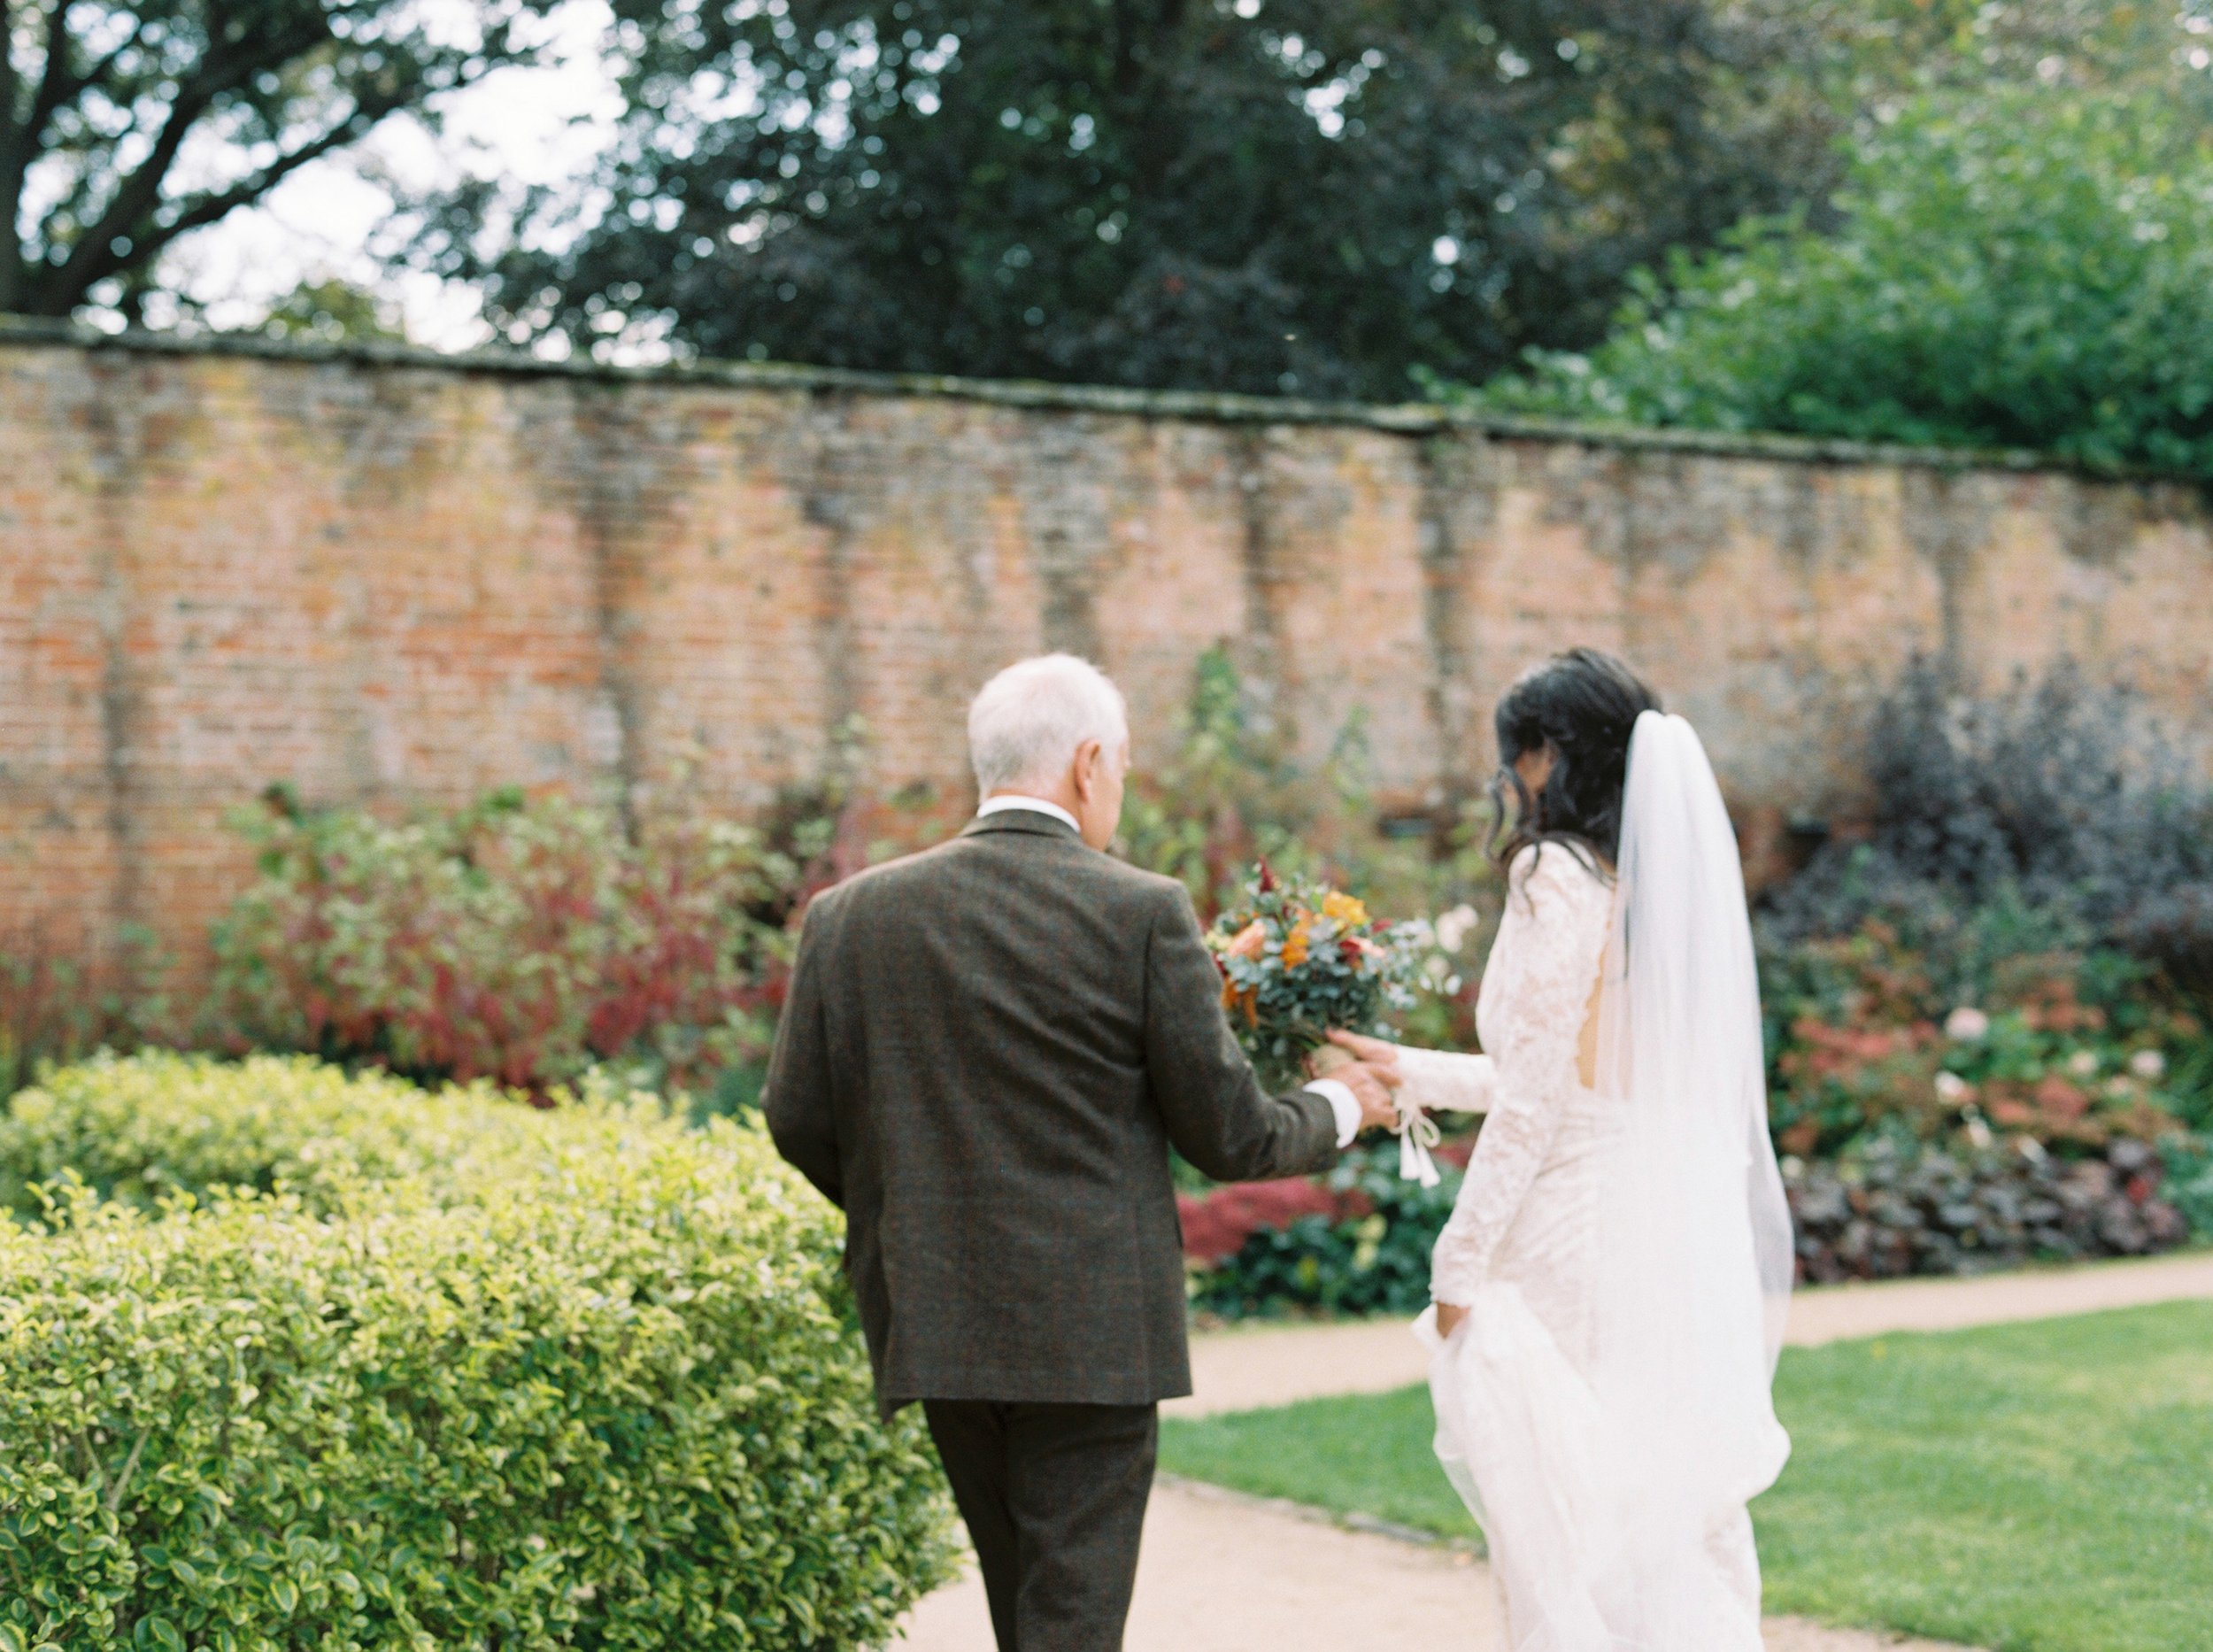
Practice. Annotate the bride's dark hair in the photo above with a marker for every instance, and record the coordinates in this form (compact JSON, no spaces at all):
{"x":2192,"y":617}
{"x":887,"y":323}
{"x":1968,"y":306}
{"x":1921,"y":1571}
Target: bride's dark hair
{"x":1584,"y":704}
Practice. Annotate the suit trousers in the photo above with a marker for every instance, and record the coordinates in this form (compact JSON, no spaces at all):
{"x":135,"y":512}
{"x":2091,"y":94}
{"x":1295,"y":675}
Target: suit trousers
{"x":1054,"y":1499}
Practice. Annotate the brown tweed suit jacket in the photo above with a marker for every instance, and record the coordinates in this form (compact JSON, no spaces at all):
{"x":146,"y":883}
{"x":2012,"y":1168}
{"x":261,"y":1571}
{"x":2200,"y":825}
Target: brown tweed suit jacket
{"x":987,"y":1048}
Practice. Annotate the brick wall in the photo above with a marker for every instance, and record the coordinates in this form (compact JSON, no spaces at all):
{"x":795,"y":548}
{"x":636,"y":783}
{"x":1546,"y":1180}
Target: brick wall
{"x":393,"y":579}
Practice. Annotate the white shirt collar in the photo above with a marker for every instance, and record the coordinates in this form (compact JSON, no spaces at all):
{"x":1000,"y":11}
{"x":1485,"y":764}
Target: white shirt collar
{"x":1037,"y":805}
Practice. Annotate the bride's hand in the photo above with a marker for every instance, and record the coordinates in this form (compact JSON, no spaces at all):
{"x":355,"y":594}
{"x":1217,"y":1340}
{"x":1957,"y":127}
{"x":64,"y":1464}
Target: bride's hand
{"x":1377,"y":1053}
{"x":1448,"y":1318}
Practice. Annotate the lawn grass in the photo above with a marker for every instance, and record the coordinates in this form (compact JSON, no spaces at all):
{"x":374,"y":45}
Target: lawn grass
{"x":2042,"y":1487}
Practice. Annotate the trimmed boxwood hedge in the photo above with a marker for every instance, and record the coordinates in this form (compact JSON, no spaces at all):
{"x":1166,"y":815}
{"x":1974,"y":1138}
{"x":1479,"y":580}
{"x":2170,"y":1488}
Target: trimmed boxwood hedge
{"x":390,"y":1369}
{"x":142,"y":1129}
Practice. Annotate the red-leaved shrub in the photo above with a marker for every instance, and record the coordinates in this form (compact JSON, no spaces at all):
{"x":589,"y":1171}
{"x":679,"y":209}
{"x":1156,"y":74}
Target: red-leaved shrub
{"x":1217,"y":1223}
{"x":520,"y":939}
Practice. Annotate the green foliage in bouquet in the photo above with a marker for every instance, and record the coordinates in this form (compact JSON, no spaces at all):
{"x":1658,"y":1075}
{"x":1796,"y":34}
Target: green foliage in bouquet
{"x":1299,"y":959}
{"x":600,"y":1388}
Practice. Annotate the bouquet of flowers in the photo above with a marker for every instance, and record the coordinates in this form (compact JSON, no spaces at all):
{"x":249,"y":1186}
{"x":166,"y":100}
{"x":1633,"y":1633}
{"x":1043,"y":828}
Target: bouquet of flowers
{"x":1299,"y":960}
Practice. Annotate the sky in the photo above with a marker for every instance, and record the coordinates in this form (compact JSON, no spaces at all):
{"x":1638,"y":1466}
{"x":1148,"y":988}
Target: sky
{"x":535,"y":125}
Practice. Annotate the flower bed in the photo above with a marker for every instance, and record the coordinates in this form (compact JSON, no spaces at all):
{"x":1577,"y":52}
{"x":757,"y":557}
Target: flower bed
{"x":1888,"y":1209}
{"x":2058,"y":1117}
{"x":599,"y":1389}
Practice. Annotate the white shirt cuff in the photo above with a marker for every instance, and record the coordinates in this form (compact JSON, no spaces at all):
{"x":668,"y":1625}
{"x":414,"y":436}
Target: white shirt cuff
{"x":1344,"y":1104}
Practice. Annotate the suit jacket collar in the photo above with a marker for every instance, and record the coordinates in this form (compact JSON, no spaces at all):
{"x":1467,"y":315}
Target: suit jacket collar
{"x":1020,"y":820}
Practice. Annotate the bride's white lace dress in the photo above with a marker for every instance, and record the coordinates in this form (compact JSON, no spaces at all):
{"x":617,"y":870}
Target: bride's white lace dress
{"x":1526,"y":1430}
{"x":1524,"y":1212}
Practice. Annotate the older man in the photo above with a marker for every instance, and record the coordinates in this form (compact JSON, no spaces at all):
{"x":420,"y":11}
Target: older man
{"x":988,"y":1050}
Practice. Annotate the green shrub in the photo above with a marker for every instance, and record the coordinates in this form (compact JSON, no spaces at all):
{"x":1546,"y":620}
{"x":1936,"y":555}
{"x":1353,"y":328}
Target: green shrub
{"x":602,"y":1390}
{"x":142,"y":1129}
{"x":2189,"y":1182}
{"x":2026,"y":267}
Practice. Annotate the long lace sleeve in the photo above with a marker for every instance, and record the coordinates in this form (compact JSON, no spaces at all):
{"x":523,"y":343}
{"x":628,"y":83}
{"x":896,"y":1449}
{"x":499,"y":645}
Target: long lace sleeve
{"x":1549,"y":950}
{"x":1446,"y":1081}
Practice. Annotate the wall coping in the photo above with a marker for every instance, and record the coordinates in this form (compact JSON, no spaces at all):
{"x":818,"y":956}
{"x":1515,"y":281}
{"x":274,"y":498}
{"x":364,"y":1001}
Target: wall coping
{"x":1415,"y":419}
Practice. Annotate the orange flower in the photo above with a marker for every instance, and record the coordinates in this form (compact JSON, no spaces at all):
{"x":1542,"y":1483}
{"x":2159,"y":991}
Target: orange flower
{"x":1347,"y":911}
{"x":1251,"y":941}
{"x":1297,"y":944}
{"x":1247,"y":1001}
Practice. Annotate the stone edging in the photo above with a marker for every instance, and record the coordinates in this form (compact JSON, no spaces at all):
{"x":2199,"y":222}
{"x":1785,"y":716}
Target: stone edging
{"x":1415,"y":419}
{"x":1374,"y":1525}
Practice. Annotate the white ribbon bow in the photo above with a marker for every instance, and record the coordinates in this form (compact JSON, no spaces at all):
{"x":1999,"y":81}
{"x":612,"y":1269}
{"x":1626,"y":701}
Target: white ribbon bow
{"x":1417,"y":1133}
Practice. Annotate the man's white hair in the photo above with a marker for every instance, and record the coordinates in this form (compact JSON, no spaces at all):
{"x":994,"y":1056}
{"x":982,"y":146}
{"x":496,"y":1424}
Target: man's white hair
{"x":1025,"y":725}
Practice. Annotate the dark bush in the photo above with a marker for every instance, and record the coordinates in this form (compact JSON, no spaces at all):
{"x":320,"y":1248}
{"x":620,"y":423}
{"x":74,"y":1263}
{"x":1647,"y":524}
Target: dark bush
{"x":1894,"y":1209}
{"x":2188,"y":1185}
{"x":2046,"y":818}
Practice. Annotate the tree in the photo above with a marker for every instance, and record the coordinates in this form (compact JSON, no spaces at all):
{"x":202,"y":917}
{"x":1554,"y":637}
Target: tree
{"x":125,"y":125}
{"x":1866,"y":55}
{"x":1264,"y":195}
{"x":327,"y":311}
{"x":2031,"y":268}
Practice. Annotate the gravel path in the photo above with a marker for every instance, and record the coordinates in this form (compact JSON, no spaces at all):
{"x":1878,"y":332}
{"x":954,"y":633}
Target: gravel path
{"x":1222,"y":1572}
{"x":1225,"y":1573}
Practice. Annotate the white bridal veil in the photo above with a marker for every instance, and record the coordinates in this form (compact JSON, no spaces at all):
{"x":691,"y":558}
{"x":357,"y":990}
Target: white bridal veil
{"x":1695,"y":1236}
{"x":1615,"y":1497}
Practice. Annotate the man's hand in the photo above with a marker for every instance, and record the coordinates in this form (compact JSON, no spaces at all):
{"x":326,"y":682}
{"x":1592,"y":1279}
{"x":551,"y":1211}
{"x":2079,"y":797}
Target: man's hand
{"x":1448,"y":1318}
{"x":1371,"y":1087}
{"x":1377,"y":1053}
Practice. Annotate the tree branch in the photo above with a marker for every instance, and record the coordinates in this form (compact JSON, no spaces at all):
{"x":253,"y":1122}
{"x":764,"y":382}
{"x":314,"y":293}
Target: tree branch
{"x":71,"y":284}
{"x":210,"y":207}
{"x":78,"y":84}
{"x":1126,"y":72}
{"x":18,"y":144}
{"x":8,"y":75}
{"x":226,"y":67}
{"x":57,"y":84}
{"x":11,"y":181}
{"x":122,"y":1481}
{"x":133,"y":199}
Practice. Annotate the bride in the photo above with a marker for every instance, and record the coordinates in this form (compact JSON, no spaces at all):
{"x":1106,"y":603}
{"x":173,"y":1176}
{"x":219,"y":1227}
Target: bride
{"x":1609,"y":1290}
